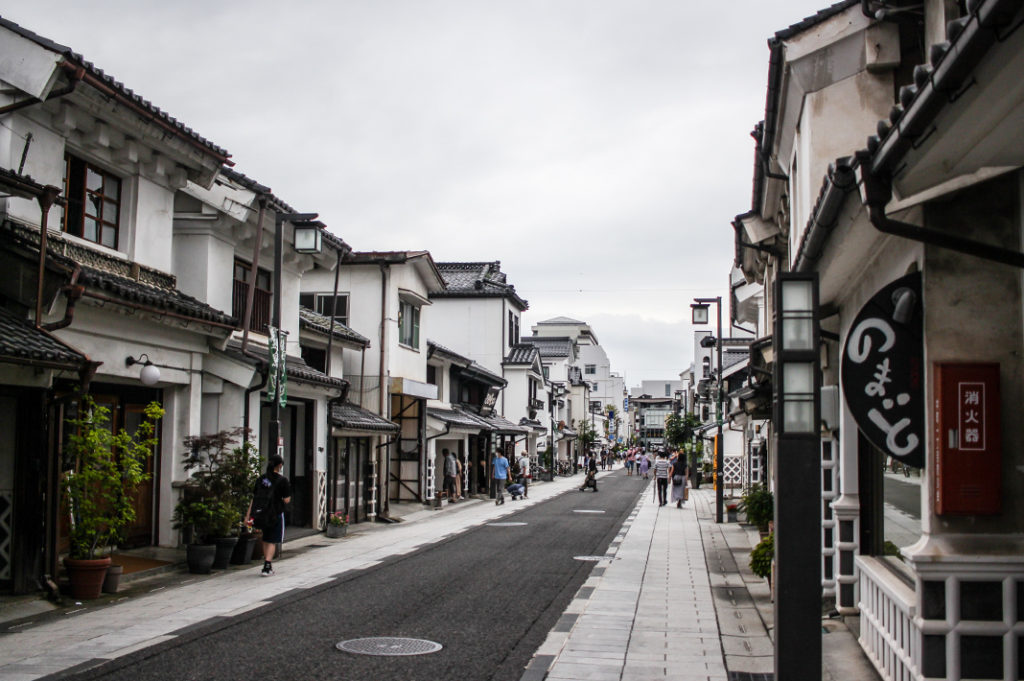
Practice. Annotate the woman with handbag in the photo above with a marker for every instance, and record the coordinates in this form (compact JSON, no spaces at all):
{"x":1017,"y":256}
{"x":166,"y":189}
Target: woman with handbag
{"x":679,"y":475}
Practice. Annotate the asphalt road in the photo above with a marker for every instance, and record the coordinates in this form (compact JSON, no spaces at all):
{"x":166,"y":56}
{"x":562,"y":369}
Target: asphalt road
{"x":489,"y":596}
{"x":904,"y":494}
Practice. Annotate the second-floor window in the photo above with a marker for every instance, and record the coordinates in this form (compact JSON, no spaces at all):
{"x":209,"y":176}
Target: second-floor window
{"x":321,"y":303}
{"x":93,"y":202}
{"x":409,"y":324}
{"x":590,"y":368}
{"x":434,"y":378}
{"x":261,"y":299}
{"x":668,"y":390}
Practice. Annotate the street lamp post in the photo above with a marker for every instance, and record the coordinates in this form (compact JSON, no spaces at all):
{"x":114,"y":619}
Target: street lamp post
{"x":274,"y":427}
{"x":700,"y":316}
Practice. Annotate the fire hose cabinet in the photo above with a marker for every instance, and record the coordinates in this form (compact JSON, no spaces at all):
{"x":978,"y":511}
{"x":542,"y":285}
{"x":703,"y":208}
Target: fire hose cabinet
{"x":968,"y":439}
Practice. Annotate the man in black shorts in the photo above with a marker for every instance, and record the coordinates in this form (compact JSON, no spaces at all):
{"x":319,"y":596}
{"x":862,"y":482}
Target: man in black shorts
{"x":270,"y":494}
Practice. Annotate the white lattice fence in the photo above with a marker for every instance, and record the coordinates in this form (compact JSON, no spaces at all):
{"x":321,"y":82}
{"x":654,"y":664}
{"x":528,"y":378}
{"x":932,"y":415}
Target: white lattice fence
{"x":321,"y":499}
{"x":732,"y":471}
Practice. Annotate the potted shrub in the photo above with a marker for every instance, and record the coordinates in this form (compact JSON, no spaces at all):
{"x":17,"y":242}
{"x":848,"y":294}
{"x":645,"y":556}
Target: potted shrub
{"x":759,"y":504}
{"x":216,"y":496}
{"x":104,"y":470}
{"x":761,"y":557}
{"x":337,"y":524}
{"x":204,"y":518}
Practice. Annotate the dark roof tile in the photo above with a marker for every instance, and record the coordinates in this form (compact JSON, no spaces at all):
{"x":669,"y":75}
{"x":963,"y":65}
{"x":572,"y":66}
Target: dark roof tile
{"x":20,"y":340}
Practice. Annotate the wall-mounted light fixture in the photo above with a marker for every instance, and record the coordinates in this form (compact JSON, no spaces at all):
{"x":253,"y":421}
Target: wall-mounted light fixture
{"x":150,"y":373}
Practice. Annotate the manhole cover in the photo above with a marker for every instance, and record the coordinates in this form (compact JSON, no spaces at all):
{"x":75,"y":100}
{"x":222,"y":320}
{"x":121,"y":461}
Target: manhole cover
{"x":578,"y":510}
{"x":590,"y":558}
{"x":508,"y":524}
{"x":383,"y":645}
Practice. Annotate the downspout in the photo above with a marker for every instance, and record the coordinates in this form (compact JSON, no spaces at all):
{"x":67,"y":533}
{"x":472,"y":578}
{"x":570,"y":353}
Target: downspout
{"x":384,"y":468}
{"x":877,"y":192}
{"x":383,"y":320}
{"x":250,"y":294}
{"x":248,"y":392}
{"x":46,"y":200}
{"x":334,"y":310}
{"x":74,"y":292}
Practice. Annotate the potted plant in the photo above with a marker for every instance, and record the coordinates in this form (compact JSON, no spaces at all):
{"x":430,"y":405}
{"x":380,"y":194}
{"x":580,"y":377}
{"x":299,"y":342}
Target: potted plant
{"x":761,"y":557}
{"x":732,"y":509}
{"x":216,"y":496}
{"x":337,"y":524}
{"x":759,"y":504}
{"x":104,"y":470}
{"x":205,"y":518}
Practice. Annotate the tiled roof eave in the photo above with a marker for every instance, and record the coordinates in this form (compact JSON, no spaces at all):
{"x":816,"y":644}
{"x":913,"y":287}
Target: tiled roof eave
{"x":951,"y":64}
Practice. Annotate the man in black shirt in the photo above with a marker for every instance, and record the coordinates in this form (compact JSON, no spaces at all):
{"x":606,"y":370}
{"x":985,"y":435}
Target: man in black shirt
{"x":273,"y":491}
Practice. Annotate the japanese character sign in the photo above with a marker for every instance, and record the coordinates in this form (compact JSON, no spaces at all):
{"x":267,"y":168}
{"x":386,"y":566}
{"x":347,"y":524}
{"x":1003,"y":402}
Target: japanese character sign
{"x":882,"y":371}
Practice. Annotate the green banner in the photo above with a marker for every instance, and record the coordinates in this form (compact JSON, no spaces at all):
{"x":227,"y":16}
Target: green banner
{"x":277,"y":376}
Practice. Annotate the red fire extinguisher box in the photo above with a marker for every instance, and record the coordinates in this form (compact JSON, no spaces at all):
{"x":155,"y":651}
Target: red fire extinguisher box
{"x":968,"y":439}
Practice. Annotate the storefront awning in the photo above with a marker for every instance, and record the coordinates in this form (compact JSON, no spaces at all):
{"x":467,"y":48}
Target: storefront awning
{"x":535,"y":426}
{"x":456,"y":419}
{"x":502,"y":426}
{"x":349,"y":419}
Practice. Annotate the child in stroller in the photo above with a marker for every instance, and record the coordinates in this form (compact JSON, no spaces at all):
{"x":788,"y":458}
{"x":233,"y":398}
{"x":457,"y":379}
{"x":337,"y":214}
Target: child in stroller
{"x":516,"y":490}
{"x":590,"y":481}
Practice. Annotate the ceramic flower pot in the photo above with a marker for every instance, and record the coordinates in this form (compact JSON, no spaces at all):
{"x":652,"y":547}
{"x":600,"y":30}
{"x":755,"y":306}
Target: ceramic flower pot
{"x":86,"y":576}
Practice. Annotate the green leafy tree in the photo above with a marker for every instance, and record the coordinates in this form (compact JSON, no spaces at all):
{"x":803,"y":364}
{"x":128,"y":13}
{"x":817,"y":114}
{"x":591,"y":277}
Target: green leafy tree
{"x":106,"y":468}
{"x":586,"y":435}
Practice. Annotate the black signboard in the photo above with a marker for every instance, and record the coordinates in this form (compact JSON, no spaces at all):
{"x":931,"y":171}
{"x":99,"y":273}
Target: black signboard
{"x":882,"y":371}
{"x":489,"y":401}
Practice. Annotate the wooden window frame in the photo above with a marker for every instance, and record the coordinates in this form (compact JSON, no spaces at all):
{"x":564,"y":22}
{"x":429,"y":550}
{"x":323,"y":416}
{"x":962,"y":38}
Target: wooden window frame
{"x":103,"y":200}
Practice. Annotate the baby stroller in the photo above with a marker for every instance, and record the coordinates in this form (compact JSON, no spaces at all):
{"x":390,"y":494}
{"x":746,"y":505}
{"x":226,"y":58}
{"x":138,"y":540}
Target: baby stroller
{"x":516,"y":490}
{"x":590,"y":481}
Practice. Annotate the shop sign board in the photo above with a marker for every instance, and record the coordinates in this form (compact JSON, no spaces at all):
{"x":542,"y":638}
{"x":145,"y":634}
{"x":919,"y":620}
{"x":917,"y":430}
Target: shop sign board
{"x":882,"y":371}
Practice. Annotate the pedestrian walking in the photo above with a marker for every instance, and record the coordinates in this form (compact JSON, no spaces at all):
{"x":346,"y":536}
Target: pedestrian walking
{"x":661,"y":469}
{"x":500,"y":469}
{"x":680,"y":473}
{"x":451,"y":471}
{"x":645,"y":465}
{"x":524,"y":474}
{"x":591,"y":475}
{"x":270,"y":494}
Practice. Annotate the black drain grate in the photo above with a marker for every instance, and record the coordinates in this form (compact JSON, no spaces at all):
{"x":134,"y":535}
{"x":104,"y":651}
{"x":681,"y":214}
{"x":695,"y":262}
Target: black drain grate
{"x":387,"y":646}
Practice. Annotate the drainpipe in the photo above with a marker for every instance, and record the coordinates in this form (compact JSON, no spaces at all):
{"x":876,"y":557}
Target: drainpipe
{"x":383,"y":479}
{"x":74,"y":292}
{"x":250,"y":293}
{"x":334,"y":306}
{"x":46,"y":200}
{"x":876,"y":193}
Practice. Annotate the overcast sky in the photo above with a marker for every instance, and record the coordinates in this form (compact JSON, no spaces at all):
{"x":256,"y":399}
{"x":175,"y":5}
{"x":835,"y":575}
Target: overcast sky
{"x":598,"y":148}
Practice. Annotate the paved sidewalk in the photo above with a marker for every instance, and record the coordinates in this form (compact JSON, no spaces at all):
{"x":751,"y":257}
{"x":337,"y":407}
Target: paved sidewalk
{"x":647,"y":610}
{"x":674,"y":598}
